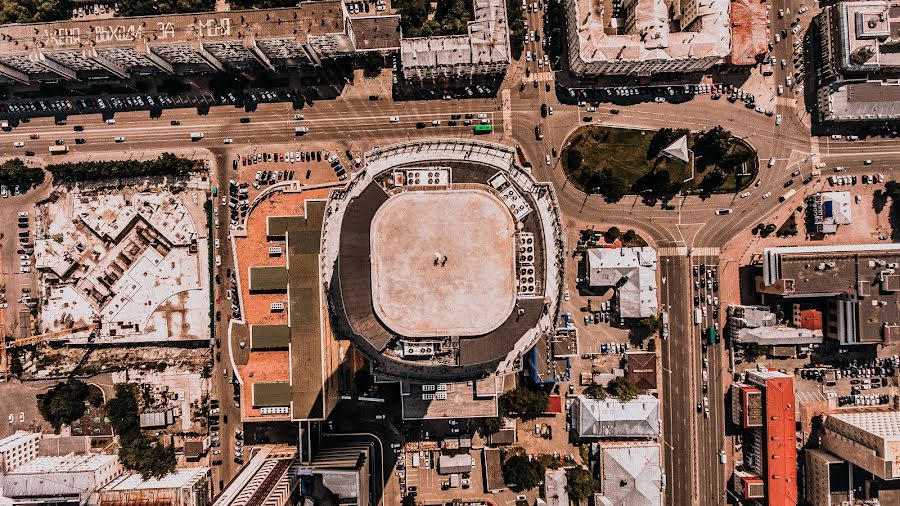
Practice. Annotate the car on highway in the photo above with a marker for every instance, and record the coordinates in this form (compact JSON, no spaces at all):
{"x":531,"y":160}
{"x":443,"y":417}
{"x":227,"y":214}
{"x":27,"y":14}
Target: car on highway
{"x":18,"y":144}
{"x":119,"y":139}
{"x":547,"y":159}
{"x":394,"y":119}
{"x":867,"y":162}
{"x":227,"y":141}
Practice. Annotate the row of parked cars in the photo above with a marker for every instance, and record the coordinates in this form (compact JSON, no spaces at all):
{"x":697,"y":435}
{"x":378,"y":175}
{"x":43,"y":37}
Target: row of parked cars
{"x":111,"y":104}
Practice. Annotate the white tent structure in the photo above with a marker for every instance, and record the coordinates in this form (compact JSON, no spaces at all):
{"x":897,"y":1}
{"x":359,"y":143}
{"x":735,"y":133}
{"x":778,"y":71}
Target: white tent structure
{"x":678,"y":150}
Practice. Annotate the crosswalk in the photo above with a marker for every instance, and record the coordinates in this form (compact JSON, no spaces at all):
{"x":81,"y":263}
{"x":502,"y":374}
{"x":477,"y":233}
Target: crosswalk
{"x":681,"y":251}
{"x":672,"y":251}
{"x":507,"y":112}
{"x":540,"y":76}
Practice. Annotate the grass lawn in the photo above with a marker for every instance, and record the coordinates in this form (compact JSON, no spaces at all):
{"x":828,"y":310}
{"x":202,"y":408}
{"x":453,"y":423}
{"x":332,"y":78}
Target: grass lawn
{"x":624,"y":151}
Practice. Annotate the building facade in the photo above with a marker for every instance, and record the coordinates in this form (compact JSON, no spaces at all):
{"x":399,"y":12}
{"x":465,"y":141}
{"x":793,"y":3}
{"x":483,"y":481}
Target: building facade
{"x":869,"y":440}
{"x":18,"y":449}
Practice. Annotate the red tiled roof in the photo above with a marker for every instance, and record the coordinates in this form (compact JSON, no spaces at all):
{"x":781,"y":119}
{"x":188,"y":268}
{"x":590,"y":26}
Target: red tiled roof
{"x":555,"y":404}
{"x":748,"y":31}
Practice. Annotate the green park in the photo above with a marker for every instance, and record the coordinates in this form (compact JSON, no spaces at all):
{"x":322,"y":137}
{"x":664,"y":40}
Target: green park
{"x":614,"y":162}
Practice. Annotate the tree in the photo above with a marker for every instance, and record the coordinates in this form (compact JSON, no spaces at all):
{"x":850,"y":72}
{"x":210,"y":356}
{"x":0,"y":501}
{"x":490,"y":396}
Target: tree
{"x":95,"y":398}
{"x":34,"y":11}
{"x":623,"y":388}
{"x":413,"y":15}
{"x":64,"y":403}
{"x":528,"y":404}
{"x":892,"y":190}
{"x":613,"y":188}
{"x":491,"y":425}
{"x":595,"y":391}
{"x":14,"y":172}
{"x":713,"y":144}
{"x":714,"y":179}
{"x":629,"y":236}
{"x":649,"y":325}
{"x":573,"y":159}
{"x":519,"y":473}
{"x":136,"y":451}
{"x":166,"y":164}
{"x":612,"y":234}
{"x":580,"y":483}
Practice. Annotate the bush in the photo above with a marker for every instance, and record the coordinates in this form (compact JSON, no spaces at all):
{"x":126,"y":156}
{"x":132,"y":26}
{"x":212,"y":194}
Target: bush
{"x":519,"y":473}
{"x":491,"y":425}
{"x":166,"y":165}
{"x":612,"y":234}
{"x":64,"y":403}
{"x":14,"y":172}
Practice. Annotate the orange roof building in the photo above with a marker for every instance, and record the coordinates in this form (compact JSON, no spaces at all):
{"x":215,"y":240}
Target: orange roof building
{"x":748,"y":31}
{"x":284,"y":355}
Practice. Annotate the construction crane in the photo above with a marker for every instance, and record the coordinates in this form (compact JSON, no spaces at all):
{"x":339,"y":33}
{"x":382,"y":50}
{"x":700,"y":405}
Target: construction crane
{"x":32,"y":340}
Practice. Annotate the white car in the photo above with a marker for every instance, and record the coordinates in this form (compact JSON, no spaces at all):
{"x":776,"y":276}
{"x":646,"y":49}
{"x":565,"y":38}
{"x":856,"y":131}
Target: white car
{"x":777,"y":119}
{"x":767,"y":195}
{"x":110,"y":121}
{"x":780,"y":89}
{"x":394,"y":119}
{"x":482,"y":115}
{"x":547,"y":159}
{"x":659,"y":100}
{"x":228,"y":141}
{"x":436,"y":122}
{"x":119,"y":139}
{"x":867,"y":162}
{"x":745,"y":195}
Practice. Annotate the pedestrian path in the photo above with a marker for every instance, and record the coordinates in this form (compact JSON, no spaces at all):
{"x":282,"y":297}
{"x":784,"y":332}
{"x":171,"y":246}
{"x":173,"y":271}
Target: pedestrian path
{"x":540,"y":76}
{"x":507,"y":112}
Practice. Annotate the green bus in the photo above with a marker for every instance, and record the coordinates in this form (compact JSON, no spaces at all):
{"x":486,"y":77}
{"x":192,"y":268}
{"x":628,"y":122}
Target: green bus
{"x":483,"y":129}
{"x":713,"y":338}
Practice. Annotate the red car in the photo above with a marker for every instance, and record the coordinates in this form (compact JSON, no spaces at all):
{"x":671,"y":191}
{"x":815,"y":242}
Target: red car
{"x":35,"y":136}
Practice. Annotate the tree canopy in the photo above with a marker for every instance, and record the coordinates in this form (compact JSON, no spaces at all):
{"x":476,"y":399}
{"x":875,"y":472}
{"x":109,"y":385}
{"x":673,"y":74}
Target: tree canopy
{"x":623,"y":388}
{"x":166,"y":165}
{"x":491,"y":425}
{"x":524,"y":402}
{"x":64,"y":403}
{"x":892,"y":189}
{"x":450,"y":18}
{"x":712,"y":144}
{"x":580,"y":483}
{"x":519,"y":473}
{"x":14,"y":172}
{"x":35,"y":11}
{"x":136,"y":451}
{"x":595,"y":391}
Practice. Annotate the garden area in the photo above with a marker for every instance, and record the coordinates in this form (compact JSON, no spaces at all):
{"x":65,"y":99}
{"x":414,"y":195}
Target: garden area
{"x":613,"y":162}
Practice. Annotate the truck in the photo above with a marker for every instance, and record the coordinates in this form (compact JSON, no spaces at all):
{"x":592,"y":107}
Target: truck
{"x":698,"y":316}
{"x":59,"y":150}
{"x":196,"y":136}
{"x":788,"y":195}
{"x":300,"y":130}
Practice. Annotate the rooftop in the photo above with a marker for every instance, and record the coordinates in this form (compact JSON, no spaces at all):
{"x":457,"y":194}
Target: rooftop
{"x":650,"y":36}
{"x":870,"y":32}
{"x":65,"y":464}
{"x":308,"y":18}
{"x":443,"y":263}
{"x":630,"y":474}
{"x":860,"y":101}
{"x":632,"y":271}
{"x":180,"y":478}
{"x":638,"y":417}
{"x":882,"y":424}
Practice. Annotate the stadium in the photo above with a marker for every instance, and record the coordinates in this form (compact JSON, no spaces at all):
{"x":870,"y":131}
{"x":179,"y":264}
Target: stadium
{"x":442,"y":260}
